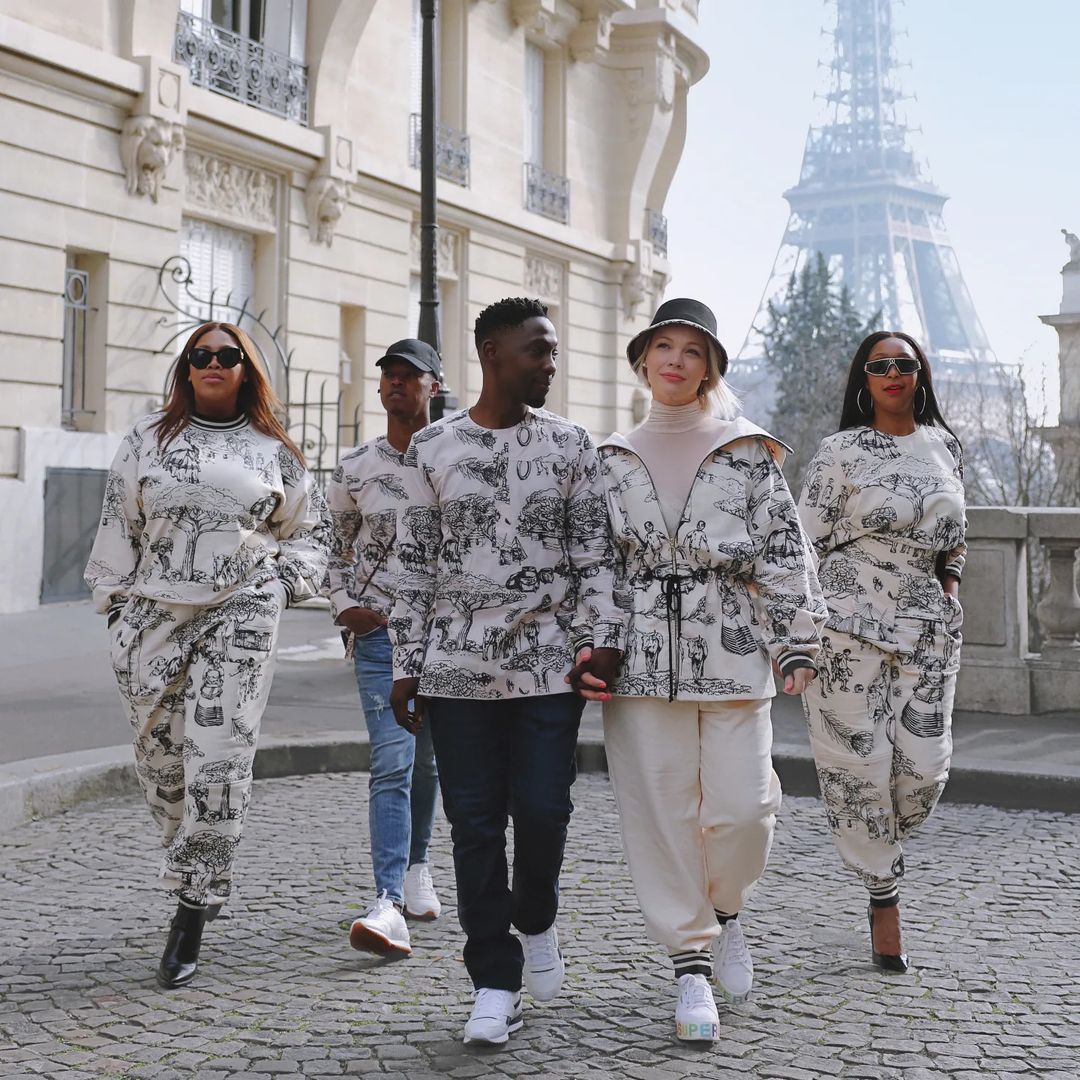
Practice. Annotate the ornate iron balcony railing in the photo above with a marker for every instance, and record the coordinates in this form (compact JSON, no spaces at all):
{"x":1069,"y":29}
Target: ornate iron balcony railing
{"x":656,"y":230}
{"x":451,"y":151}
{"x":547,"y":193}
{"x":240,"y":68}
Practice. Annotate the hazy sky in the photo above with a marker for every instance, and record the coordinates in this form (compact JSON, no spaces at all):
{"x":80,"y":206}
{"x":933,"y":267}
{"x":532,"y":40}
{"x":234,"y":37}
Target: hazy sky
{"x":997,"y":88}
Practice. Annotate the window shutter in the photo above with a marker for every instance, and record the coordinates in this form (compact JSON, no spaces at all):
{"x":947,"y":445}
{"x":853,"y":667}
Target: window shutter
{"x":222,"y":263}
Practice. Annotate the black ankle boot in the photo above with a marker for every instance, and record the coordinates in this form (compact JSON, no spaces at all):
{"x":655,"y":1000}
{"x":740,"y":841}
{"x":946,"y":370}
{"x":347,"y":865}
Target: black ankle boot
{"x":180,"y":960}
{"x":885,"y":961}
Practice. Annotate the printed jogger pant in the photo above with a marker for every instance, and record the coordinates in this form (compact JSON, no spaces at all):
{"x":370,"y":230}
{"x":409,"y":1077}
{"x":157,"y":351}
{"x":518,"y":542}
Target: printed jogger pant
{"x":195,"y":682}
{"x":881,"y":735}
{"x":697,"y":799}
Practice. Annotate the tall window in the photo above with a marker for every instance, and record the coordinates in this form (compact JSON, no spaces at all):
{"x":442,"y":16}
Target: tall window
{"x":249,"y":50}
{"x":280,"y":25}
{"x":353,"y":376}
{"x":222,"y":268}
{"x":82,"y":388}
{"x":416,"y":58}
{"x":534,"y":105}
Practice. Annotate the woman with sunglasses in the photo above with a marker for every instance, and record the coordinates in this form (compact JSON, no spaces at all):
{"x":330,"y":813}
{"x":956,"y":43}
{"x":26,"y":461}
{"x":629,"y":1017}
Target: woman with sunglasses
{"x":211,"y":526}
{"x":883,"y":504}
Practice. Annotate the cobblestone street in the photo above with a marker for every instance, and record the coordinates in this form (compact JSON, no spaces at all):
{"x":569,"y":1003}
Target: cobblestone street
{"x":991,"y":914}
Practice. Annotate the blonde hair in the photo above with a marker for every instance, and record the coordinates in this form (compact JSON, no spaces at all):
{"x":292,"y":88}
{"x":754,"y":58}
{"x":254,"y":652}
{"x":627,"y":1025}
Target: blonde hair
{"x":714,"y":393}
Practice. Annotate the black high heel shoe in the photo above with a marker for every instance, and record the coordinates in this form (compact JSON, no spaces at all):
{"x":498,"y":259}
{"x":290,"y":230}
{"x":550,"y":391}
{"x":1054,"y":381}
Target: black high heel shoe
{"x":885,"y":961}
{"x":180,"y":960}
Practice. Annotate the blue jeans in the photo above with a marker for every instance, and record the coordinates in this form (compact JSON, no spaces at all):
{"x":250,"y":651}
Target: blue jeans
{"x":403,"y":781}
{"x":501,"y":759}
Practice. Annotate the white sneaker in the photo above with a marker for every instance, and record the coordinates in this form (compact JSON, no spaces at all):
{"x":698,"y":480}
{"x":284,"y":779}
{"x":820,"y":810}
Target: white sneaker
{"x":495,"y":1014}
{"x":544,"y":968}
{"x":420,"y":899}
{"x":382,"y":930}
{"x":734,"y":968}
{"x":696,"y":1018}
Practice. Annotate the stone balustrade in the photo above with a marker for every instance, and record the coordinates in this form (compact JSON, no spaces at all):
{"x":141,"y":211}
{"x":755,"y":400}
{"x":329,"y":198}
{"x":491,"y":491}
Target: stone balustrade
{"x":998,"y":672}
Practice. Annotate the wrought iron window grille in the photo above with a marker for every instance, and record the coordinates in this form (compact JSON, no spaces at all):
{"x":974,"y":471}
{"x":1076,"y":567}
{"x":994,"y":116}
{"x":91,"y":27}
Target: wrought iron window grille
{"x":547,"y":193}
{"x":314,"y":416}
{"x":452,"y":153}
{"x":240,"y":68}
{"x":76,"y":309}
{"x":656,"y":231}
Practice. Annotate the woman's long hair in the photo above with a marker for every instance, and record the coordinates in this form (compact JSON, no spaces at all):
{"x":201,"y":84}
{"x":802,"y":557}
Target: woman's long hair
{"x":256,"y":399}
{"x":927,"y":409}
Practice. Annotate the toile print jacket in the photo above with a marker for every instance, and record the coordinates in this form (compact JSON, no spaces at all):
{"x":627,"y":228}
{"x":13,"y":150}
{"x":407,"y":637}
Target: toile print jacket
{"x":731,"y":591}
{"x":365,"y":495}
{"x":219,"y":508}
{"x":885,"y":514}
{"x":505,"y":558}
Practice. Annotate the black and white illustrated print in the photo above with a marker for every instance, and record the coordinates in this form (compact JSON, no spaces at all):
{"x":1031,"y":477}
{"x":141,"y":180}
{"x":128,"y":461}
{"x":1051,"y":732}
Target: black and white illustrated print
{"x":710,"y":607}
{"x":201,"y":544}
{"x":365,"y":495}
{"x":505,"y":561}
{"x":884,"y":512}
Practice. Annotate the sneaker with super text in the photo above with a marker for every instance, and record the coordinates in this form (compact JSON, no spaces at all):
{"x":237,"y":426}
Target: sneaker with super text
{"x":696,"y":1018}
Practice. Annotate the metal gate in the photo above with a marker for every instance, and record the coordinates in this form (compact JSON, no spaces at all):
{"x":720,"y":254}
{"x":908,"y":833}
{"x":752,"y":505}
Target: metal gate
{"x":73,"y":499}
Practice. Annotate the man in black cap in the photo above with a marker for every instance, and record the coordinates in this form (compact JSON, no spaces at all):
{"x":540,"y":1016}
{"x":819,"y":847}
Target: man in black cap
{"x":365,"y":496}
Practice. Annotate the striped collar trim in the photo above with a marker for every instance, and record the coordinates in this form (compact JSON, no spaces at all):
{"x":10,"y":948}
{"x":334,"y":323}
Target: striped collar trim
{"x":206,"y":424}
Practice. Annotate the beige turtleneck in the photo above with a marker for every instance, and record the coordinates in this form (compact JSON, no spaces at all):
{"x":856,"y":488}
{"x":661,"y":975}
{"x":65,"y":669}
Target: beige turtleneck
{"x":672,"y":442}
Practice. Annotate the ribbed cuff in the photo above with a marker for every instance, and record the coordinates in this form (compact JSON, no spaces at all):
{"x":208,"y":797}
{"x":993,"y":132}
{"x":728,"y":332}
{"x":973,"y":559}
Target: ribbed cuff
{"x":792,"y":661}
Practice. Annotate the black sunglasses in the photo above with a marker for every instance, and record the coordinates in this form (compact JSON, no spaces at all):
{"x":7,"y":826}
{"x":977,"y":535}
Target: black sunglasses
{"x":228,"y":357}
{"x":905,"y":365}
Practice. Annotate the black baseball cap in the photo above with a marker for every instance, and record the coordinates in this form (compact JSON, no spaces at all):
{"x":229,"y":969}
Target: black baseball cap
{"x":416,"y":352}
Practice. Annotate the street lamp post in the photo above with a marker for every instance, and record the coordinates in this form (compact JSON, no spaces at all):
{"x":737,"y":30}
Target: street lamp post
{"x":429,"y":228}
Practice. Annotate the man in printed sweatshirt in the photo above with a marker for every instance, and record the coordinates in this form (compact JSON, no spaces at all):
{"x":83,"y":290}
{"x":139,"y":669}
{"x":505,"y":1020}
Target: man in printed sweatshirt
{"x":503,"y":609}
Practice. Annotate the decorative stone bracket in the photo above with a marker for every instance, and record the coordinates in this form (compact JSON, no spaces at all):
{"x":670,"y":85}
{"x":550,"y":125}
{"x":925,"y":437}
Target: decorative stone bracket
{"x":147,"y":146}
{"x":551,"y":20}
{"x":638,"y":279}
{"x":154,"y":133}
{"x":327,"y":193}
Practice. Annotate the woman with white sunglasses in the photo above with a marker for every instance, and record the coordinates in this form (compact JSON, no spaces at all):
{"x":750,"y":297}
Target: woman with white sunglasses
{"x":883,"y":504}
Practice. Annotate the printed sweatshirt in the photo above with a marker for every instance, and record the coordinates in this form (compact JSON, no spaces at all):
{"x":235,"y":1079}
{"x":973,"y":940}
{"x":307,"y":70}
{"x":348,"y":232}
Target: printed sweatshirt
{"x":365,"y":495}
{"x":885,"y":512}
{"x":219,"y":508}
{"x":730,"y":590}
{"x":505,"y":558}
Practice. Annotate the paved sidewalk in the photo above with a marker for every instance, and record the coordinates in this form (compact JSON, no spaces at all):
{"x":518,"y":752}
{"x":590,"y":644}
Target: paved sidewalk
{"x":990,"y":910}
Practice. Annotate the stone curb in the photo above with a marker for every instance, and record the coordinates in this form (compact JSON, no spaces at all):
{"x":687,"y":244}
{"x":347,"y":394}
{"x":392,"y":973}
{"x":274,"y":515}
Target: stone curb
{"x":45,"y":786}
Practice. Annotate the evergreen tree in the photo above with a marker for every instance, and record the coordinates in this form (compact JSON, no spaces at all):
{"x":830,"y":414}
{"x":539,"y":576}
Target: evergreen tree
{"x":808,"y":342}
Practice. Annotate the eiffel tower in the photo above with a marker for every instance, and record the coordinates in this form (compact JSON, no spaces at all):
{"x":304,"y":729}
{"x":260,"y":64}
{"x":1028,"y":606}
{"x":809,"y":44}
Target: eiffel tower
{"x":864,"y":201}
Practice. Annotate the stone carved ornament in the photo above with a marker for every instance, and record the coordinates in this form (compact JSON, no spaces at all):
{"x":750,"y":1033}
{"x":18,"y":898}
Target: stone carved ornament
{"x":543,"y":278}
{"x":147,"y":145}
{"x":227,"y":188}
{"x":446,"y":251}
{"x":326,"y":199}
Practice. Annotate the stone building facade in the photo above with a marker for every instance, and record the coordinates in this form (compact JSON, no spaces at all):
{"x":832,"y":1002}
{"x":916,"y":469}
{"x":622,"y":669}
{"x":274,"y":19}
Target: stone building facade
{"x":165,"y":160}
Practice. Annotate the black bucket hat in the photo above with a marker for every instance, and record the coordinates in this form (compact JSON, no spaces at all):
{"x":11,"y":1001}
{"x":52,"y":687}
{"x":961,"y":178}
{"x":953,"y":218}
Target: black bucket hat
{"x":680,"y":312}
{"x":413,"y":351}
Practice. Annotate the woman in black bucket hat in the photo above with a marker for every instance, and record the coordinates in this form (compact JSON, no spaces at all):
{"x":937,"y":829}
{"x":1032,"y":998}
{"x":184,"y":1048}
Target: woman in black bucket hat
{"x":717,"y":581}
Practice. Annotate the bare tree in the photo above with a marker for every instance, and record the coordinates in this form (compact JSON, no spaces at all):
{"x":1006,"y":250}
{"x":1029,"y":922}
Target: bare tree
{"x":1010,"y":462}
